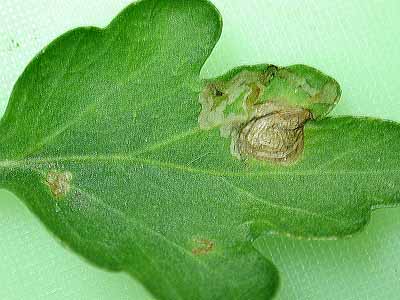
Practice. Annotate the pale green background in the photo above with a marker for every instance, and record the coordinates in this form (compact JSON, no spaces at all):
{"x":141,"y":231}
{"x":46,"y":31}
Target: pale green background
{"x":357,"y":42}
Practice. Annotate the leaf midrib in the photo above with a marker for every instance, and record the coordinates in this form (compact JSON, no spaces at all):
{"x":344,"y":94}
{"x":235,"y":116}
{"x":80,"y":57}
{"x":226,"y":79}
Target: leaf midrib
{"x":35,"y":163}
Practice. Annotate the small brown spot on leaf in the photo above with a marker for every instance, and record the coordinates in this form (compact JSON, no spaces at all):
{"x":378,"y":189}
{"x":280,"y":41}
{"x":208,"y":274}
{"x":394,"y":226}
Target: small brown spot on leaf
{"x":59,"y":183}
{"x":204,"y":247}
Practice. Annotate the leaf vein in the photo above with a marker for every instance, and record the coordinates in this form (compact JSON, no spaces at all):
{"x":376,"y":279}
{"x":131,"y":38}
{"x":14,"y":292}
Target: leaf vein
{"x":279,"y":206}
{"x":149,"y":230}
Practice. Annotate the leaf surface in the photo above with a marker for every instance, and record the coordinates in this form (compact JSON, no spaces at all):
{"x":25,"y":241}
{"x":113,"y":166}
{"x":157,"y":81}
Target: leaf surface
{"x":79,"y":122}
{"x":101,"y":140}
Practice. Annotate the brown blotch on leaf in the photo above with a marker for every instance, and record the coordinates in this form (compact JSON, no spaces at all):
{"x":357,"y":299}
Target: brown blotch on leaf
{"x":59,"y":183}
{"x":277,"y":136}
{"x":205,"y":247}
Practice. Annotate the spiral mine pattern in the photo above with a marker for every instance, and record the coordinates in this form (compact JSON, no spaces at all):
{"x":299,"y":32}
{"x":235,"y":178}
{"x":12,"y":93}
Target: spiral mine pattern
{"x":278,"y":136}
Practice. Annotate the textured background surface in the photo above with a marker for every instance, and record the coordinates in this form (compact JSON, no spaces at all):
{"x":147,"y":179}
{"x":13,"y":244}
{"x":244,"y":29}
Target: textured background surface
{"x":354,"y":41}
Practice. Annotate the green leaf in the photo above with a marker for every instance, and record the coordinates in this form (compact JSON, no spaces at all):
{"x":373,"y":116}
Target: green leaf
{"x":101,"y":139}
{"x":74,"y":136}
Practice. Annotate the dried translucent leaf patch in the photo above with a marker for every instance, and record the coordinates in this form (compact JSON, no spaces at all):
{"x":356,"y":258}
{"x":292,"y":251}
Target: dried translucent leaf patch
{"x":276,"y":137}
{"x":263,"y":109}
